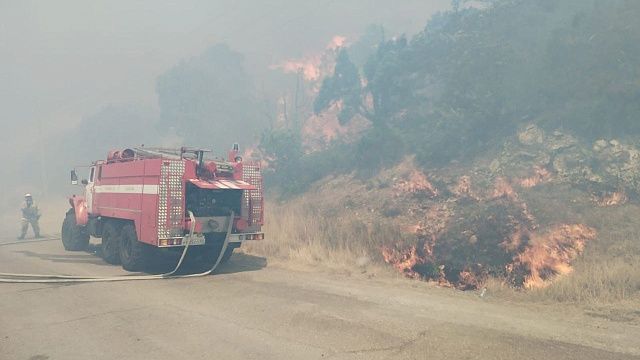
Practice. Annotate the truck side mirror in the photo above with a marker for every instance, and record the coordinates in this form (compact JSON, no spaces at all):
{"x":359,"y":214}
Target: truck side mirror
{"x":74,"y":177}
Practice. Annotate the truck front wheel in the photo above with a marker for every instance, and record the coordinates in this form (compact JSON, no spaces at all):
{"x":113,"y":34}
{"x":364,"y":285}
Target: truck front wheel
{"x":133,"y":254}
{"x":74,"y":237}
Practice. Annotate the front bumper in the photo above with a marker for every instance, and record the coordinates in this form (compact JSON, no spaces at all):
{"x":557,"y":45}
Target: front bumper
{"x":199,"y":239}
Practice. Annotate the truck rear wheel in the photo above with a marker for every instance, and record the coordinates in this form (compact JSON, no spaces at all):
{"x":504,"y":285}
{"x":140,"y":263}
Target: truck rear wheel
{"x":134,"y":255}
{"x":111,"y":242}
{"x":207,"y":255}
{"x":227,"y":254}
{"x":202,"y":257}
{"x":74,"y":237}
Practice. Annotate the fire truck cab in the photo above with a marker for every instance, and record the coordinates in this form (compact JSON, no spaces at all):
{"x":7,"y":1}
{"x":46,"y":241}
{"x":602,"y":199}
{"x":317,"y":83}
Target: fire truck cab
{"x":140,"y":200}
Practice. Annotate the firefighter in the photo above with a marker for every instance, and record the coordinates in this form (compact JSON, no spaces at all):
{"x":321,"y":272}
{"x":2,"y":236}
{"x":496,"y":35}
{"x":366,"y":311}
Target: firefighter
{"x":30,"y":215}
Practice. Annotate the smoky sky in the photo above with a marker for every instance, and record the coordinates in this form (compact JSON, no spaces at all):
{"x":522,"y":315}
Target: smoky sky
{"x":61,"y":61}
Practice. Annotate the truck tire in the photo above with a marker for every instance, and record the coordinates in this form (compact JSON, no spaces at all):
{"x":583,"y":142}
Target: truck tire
{"x":134,"y":255}
{"x":201,"y":258}
{"x":74,"y":237}
{"x":110,"y":250}
{"x":211,"y":252}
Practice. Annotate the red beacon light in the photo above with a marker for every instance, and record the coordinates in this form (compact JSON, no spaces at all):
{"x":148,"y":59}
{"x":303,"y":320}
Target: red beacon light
{"x":241,"y":224}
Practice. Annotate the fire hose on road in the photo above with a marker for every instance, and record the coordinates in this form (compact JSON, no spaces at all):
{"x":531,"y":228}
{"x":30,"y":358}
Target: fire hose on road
{"x":49,"y":278}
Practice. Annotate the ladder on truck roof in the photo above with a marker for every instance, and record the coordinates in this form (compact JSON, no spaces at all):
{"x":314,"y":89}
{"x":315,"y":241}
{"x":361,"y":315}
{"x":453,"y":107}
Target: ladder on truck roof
{"x":171,"y":153}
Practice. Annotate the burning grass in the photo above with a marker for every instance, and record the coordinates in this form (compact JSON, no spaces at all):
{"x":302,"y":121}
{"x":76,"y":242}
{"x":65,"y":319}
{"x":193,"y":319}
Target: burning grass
{"x":505,"y":244}
{"x":547,"y":255}
{"x":596,"y":281}
{"x":463,"y":243}
{"x":466,"y":231}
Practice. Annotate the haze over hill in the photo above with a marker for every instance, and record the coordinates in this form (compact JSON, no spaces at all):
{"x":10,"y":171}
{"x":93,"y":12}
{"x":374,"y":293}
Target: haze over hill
{"x":67,"y":61}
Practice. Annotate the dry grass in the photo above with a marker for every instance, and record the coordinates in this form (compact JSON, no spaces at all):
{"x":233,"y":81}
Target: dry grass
{"x":299,"y":232}
{"x":596,"y":282}
{"x":609,"y":270}
{"x":593,"y":282}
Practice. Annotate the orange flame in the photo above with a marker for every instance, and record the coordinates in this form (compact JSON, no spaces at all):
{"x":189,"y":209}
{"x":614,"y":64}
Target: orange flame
{"x":403,"y":261}
{"x":313,"y":67}
{"x":537,"y":258}
{"x":550,"y":254}
{"x":409,"y":261}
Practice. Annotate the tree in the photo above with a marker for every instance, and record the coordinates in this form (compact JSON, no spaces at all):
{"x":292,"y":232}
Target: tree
{"x":343,"y":86}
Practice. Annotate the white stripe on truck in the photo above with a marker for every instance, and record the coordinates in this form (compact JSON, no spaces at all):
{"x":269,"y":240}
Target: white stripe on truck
{"x":126,"y":189}
{"x":228,"y":184}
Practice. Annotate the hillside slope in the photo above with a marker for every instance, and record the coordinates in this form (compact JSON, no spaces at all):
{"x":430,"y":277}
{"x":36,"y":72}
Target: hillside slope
{"x":499,"y":143}
{"x":546,"y":212}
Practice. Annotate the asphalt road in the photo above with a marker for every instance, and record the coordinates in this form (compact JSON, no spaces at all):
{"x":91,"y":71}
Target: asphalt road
{"x":253,"y":310}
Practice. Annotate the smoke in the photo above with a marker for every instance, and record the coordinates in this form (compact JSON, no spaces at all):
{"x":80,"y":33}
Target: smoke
{"x":313,"y":66}
{"x":64,"y":62}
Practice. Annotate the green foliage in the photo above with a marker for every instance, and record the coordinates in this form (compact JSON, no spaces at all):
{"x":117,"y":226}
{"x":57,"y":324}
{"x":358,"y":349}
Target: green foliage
{"x":476,"y":74}
{"x":379,"y":147}
{"x":385,"y":79}
{"x":481,"y":71}
{"x":286,"y":168}
{"x":343,"y":86}
{"x":593,"y":70}
{"x":284,"y":146}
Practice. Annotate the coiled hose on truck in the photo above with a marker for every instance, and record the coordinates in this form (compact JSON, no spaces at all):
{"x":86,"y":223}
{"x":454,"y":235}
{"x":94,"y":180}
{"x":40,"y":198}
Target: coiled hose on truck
{"x":48,"y":279}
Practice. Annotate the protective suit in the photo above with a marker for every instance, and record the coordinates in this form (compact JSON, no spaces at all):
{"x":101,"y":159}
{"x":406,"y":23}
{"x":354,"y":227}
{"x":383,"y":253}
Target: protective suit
{"x":30,"y":215}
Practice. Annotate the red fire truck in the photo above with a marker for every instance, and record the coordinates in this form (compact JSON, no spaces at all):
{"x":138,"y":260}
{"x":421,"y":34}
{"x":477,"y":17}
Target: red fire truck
{"x":140,"y":200}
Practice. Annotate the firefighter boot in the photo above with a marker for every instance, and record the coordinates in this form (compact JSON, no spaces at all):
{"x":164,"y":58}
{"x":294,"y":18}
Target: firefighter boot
{"x":23,"y":229}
